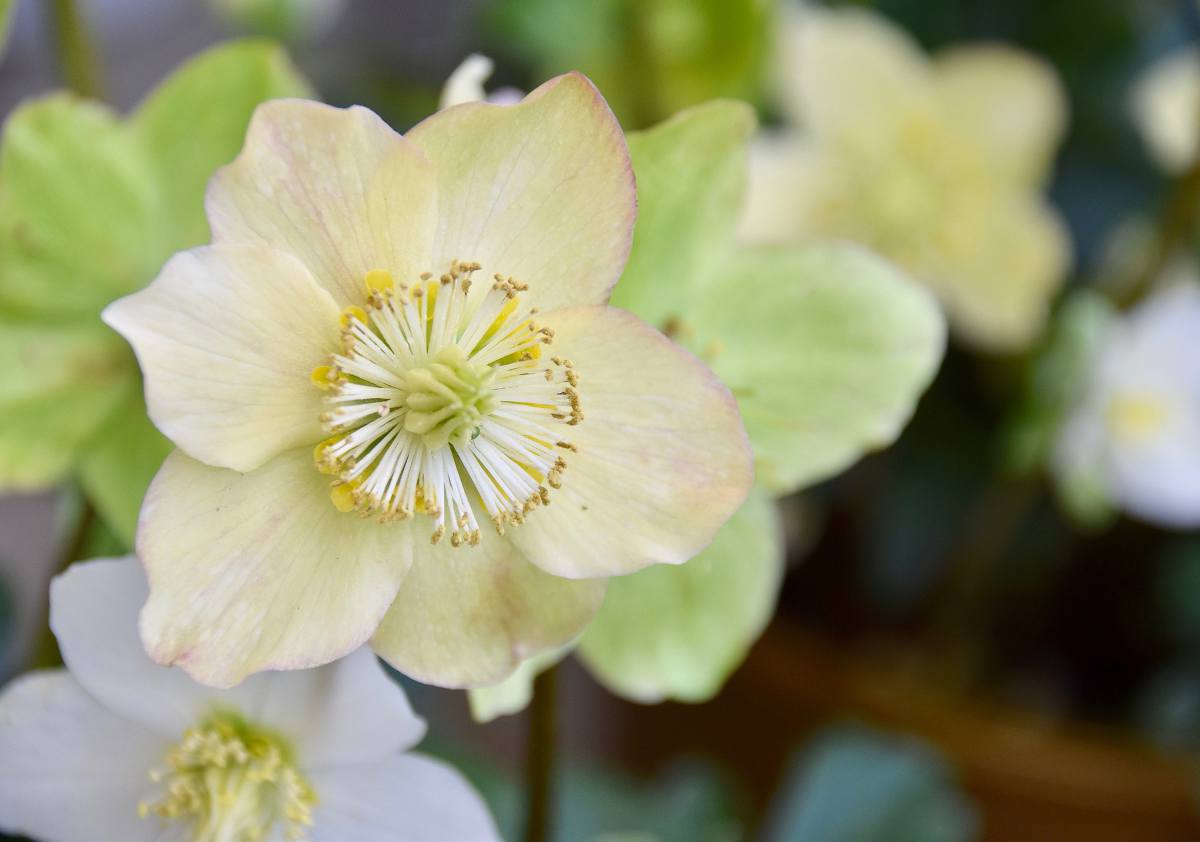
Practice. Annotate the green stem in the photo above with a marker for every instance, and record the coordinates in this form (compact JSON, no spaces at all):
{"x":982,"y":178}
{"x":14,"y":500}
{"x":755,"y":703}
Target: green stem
{"x":76,"y":51}
{"x":47,"y":654}
{"x":541,"y":745}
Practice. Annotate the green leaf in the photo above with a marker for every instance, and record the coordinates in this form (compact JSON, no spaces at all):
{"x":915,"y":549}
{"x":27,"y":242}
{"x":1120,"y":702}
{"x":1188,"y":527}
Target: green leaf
{"x":58,"y":385}
{"x":677,"y":632}
{"x":826,"y":348}
{"x":196,"y":120}
{"x":856,"y":785}
{"x":118,"y":463}
{"x":691,"y":177}
{"x":81,"y":217}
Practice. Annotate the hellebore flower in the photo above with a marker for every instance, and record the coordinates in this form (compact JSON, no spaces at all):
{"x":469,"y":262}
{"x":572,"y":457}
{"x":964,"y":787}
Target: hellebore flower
{"x":116,"y":747}
{"x":90,"y":207}
{"x":935,"y":164}
{"x":1132,"y":438}
{"x":826,"y":349}
{"x":403,"y":409}
{"x":1166,"y":108}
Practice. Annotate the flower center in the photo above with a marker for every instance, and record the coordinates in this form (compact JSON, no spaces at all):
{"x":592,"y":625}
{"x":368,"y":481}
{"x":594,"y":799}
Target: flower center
{"x":440,"y":401}
{"x":1136,"y":418}
{"x":232,"y":783}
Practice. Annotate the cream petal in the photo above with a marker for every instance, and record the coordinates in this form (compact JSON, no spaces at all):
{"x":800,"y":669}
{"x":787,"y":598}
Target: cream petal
{"x":227,"y":338}
{"x":72,"y":771}
{"x":93,"y":611}
{"x":542,"y":190}
{"x":407,"y":798}
{"x":1011,"y":101}
{"x":663,"y":458}
{"x":467,"y":616}
{"x":849,"y":71}
{"x":335,"y":187}
{"x":260,"y":571}
{"x":1165,"y":102}
{"x":342,"y":713}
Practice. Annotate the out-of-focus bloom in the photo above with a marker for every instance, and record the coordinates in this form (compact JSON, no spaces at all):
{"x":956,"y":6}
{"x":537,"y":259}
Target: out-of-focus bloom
{"x":1133,"y":438}
{"x":935,"y":164}
{"x":402,"y":405}
{"x":90,"y":207}
{"x":826,"y":349}
{"x":1166,"y":109}
{"x":116,"y":747}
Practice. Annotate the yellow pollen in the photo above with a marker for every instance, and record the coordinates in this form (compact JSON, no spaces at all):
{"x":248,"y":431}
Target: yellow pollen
{"x":228,"y":780}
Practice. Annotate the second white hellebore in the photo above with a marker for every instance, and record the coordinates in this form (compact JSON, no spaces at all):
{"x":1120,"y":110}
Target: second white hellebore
{"x":116,"y":747}
{"x":403,"y":408}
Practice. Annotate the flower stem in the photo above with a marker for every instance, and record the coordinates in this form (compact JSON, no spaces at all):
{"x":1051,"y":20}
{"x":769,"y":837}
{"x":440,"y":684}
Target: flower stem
{"x":540,"y":750}
{"x":76,"y":50}
{"x":47,"y":654}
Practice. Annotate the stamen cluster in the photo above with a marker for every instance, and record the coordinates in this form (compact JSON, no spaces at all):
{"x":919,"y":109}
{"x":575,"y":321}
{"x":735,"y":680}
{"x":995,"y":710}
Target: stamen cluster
{"x":440,"y":399}
{"x":233,"y":783}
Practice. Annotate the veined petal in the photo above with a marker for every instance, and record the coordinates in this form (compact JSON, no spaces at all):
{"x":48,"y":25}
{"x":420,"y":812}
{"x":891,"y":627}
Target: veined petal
{"x":466,"y":616}
{"x":407,"y":798}
{"x":541,"y":191}
{"x":93,"y":611}
{"x":347,"y":712}
{"x":827,"y":349}
{"x":849,"y":71}
{"x":676,"y":632}
{"x":1011,"y":101}
{"x":260,"y":571}
{"x":335,"y":187}
{"x":662,"y":456}
{"x":72,"y":771}
{"x":227,"y":337}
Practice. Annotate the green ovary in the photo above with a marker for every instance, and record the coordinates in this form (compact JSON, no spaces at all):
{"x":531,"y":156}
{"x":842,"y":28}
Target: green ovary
{"x":448,"y":399}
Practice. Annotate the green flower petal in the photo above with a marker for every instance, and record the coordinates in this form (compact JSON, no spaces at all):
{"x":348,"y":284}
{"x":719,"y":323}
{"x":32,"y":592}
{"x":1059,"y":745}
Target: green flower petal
{"x":826,"y":348}
{"x":196,"y":120}
{"x":80,"y":213}
{"x":691,"y":176}
{"x":58,"y":384}
{"x":512,"y":695}
{"x":677,"y":632}
{"x":117,"y":465}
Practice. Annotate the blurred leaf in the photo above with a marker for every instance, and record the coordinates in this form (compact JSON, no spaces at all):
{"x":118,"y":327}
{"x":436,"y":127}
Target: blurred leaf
{"x":514,"y":693}
{"x":81,"y":217}
{"x":1056,"y":379}
{"x":287,"y":19}
{"x":651,"y":58}
{"x":691,"y":177}
{"x":8,"y":10}
{"x":826,"y":348}
{"x":856,"y":785}
{"x":196,"y":120}
{"x":677,"y":632}
{"x":1168,"y":708}
{"x":1178,"y":591}
{"x":116,"y":468}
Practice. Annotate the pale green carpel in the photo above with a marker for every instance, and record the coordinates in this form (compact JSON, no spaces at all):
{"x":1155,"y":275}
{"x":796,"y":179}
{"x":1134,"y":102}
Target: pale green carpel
{"x":91,"y":204}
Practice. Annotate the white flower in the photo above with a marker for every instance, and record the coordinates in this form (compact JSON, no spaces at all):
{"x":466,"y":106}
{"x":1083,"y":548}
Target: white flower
{"x":1135,"y":434}
{"x":118,"y":749}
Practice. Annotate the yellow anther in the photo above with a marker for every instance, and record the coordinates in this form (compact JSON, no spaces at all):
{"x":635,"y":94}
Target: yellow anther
{"x":380,"y":281}
{"x":343,"y":495}
{"x":350,"y":313}
{"x":324,"y":377}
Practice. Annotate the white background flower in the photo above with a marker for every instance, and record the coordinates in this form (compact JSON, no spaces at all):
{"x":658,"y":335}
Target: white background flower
{"x":80,"y":744}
